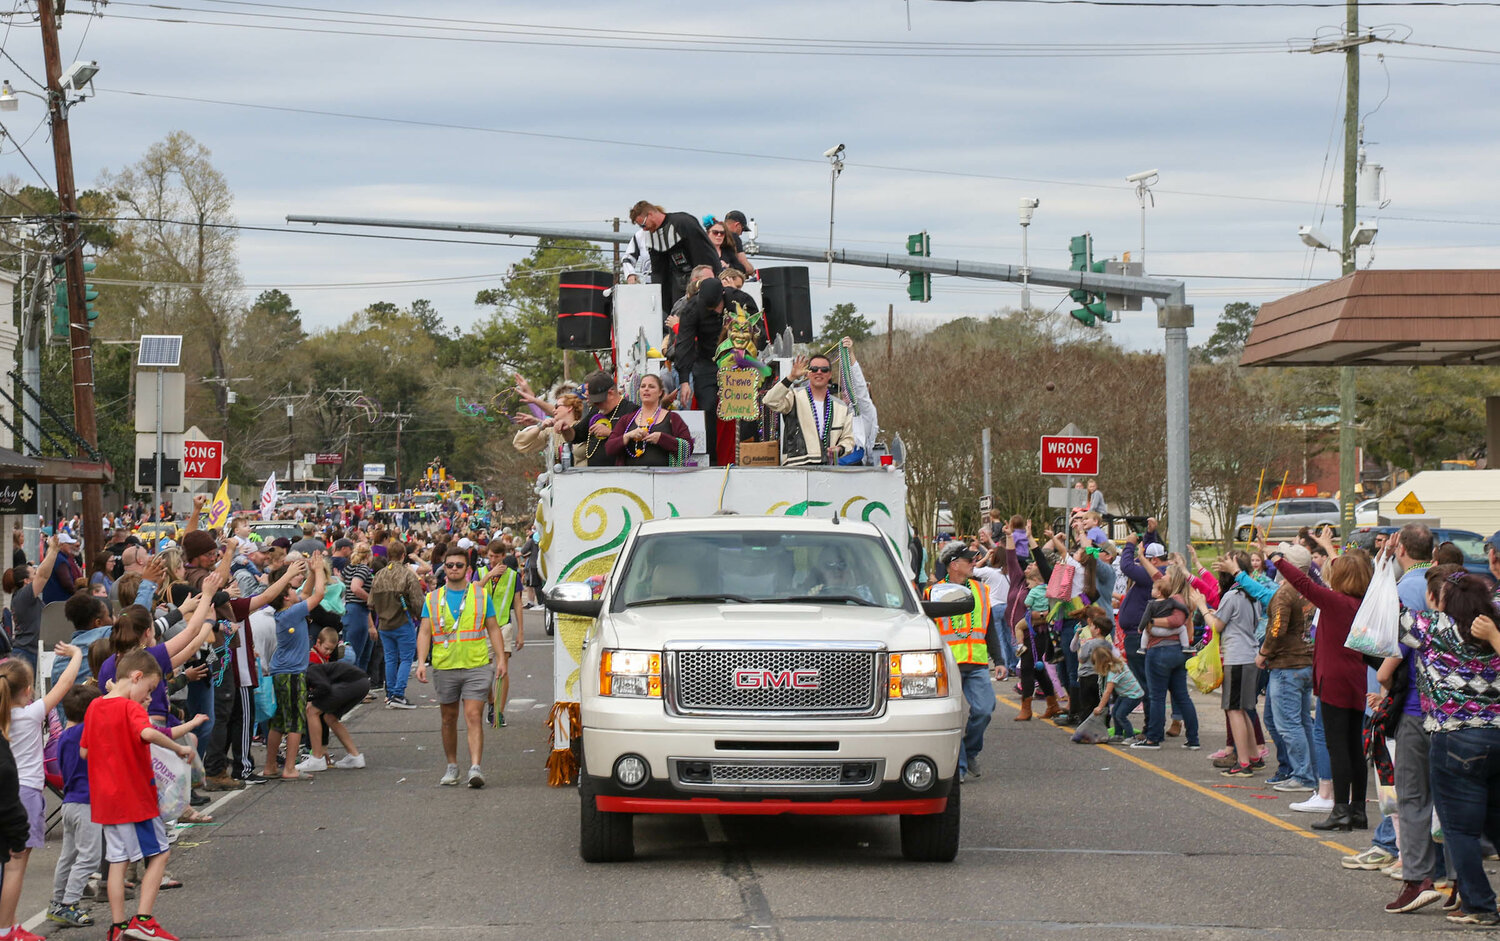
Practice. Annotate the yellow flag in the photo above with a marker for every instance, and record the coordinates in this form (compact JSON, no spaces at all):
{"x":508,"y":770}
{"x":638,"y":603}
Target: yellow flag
{"x":218,"y":511}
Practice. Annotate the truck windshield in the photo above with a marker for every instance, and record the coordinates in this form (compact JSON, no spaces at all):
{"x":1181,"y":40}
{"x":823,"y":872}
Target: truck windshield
{"x":760,"y":567}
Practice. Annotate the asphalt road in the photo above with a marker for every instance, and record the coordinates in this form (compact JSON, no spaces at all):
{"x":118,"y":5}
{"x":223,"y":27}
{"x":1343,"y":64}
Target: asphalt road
{"x":1058,"y":839}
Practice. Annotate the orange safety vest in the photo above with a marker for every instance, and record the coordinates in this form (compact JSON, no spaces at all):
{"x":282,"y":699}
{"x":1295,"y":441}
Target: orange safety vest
{"x":966,"y":634}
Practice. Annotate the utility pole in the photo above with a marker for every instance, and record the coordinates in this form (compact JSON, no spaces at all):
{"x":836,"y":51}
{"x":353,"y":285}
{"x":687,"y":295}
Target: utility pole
{"x":401,"y":420}
{"x":617,"y":250}
{"x":78,"y":333}
{"x":890,"y":330}
{"x":1348,"y":472}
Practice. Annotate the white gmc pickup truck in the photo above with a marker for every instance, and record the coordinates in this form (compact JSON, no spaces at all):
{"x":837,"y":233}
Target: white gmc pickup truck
{"x":765,"y":665}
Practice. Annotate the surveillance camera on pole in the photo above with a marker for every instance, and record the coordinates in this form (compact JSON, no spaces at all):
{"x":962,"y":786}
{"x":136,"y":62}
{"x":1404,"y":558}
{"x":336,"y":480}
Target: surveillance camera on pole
{"x":835,"y":157}
{"x":1312,"y":238}
{"x":1027,"y":206}
{"x":832,"y":152}
{"x":1145,"y":176}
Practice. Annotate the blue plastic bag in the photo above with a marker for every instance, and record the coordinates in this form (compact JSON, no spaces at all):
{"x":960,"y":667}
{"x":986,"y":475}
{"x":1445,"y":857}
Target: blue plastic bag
{"x":265,"y":700}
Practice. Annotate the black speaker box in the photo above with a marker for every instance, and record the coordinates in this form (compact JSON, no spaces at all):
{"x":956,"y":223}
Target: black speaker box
{"x":787,"y":303}
{"x":584,"y":312}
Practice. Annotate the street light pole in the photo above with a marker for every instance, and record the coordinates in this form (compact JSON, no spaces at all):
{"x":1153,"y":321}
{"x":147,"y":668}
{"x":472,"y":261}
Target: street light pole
{"x":836,"y":166}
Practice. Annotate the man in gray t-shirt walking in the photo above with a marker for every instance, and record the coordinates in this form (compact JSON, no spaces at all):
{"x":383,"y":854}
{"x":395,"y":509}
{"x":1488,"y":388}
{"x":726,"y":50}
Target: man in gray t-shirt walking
{"x":1234,"y":623}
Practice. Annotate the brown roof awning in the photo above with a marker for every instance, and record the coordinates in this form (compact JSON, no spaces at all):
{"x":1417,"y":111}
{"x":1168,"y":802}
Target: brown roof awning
{"x":53,"y":470}
{"x":1383,"y":318}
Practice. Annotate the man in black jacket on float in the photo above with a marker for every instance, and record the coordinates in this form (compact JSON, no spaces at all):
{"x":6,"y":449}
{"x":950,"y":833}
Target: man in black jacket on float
{"x":678,"y":244}
{"x":697,"y":342}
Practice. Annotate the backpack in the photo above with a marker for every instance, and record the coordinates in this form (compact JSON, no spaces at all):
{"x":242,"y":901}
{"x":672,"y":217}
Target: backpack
{"x":388,"y":596}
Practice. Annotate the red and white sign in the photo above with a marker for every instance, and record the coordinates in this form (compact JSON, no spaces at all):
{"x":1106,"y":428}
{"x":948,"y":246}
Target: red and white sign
{"x":1067,"y":455}
{"x":324,"y":458}
{"x":203,"y":460}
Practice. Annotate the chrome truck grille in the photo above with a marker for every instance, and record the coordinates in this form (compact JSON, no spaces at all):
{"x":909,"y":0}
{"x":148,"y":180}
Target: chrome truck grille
{"x":752,"y":775}
{"x":780,"y":681}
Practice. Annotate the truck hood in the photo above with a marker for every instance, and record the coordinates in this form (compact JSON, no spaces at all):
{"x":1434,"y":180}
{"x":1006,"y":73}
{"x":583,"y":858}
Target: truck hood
{"x":654,"y":626}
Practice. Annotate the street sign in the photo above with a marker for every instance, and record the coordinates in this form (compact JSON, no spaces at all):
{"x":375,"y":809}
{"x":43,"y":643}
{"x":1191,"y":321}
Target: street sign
{"x":1065,"y":498}
{"x":1070,"y":455}
{"x":374,"y":470}
{"x":203,"y":460}
{"x":985,"y":503}
{"x":1410,"y":506}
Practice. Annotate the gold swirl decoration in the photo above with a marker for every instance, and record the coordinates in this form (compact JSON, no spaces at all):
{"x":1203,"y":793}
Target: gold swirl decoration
{"x":591,"y":507}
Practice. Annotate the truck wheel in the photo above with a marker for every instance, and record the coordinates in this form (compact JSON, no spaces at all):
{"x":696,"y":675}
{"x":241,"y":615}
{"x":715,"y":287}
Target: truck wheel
{"x":932,"y":838}
{"x":603,"y":837}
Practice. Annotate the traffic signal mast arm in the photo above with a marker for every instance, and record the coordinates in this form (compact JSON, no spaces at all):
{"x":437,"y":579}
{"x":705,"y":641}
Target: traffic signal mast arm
{"x":1169,"y":291}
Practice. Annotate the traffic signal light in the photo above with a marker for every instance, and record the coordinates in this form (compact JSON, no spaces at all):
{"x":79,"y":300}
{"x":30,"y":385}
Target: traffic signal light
{"x":919,"y":287}
{"x":1081,"y":247}
{"x":60,"y":321}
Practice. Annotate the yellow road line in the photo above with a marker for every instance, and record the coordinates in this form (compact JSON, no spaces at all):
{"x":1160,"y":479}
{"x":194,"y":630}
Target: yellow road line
{"x":1205,"y":791}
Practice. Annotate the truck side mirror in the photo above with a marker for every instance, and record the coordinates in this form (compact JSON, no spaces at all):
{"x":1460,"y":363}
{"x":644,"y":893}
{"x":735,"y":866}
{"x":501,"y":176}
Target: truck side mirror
{"x":947,"y":600}
{"x":574,"y":598}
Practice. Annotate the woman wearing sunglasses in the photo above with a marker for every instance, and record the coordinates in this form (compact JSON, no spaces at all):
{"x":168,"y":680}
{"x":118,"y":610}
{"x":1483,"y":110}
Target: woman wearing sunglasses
{"x":723,"y":244}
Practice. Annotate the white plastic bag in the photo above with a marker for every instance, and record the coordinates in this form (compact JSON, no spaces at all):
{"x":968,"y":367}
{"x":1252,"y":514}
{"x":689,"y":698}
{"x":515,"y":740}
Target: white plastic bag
{"x":1376,"y":626}
{"x":173,"y":782}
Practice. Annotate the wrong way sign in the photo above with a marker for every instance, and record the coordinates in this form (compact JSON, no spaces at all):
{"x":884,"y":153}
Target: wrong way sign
{"x":203,"y":460}
{"x":1070,"y":455}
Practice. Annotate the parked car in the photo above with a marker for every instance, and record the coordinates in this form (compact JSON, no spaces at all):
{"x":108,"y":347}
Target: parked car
{"x":1281,"y":519}
{"x":268,"y":530}
{"x":1367,"y":512}
{"x":1471,"y":544}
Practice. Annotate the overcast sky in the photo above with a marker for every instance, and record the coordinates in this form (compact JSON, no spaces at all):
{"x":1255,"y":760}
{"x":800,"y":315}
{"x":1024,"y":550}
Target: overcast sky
{"x":947,"y":124}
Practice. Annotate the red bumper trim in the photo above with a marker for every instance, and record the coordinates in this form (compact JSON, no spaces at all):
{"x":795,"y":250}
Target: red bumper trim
{"x":713,"y":805}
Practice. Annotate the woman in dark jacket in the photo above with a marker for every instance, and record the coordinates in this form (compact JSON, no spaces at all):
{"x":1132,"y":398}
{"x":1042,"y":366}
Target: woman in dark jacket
{"x":653,"y":436}
{"x":1339,"y":680}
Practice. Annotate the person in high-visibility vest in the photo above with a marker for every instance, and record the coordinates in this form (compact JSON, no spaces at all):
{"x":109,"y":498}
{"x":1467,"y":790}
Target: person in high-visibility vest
{"x":459,"y":630}
{"x":501,"y":583}
{"x":975,"y":647}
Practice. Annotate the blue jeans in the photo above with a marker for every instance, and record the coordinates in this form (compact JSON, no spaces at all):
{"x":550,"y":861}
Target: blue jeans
{"x":1067,"y":671}
{"x":1466,"y":793}
{"x":1166,"y":665}
{"x":1120,"y":713}
{"x":200,"y":700}
{"x":1289,"y":705}
{"x":1322,"y":764}
{"x":357,"y":633}
{"x":400,"y":645}
{"x":1007,"y":640}
{"x":981,"y":698}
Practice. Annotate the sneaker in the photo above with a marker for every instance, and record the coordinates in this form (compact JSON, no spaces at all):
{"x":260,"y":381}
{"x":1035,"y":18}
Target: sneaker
{"x":974,"y":766}
{"x":350,"y":761}
{"x":1258,"y":763}
{"x":1238,"y":771}
{"x":399,"y":702}
{"x":1115,"y":740}
{"x":1279,"y":778}
{"x":1371,"y":859}
{"x":222,"y":782}
{"x":499,"y":721}
{"x":254,"y":777}
{"x":450,"y":777}
{"x":69,"y":916}
{"x":1292,"y":784}
{"x":313,"y":763}
{"x":1192,"y":746}
{"x":476,"y":777}
{"x":1414,"y":895}
{"x":1222,"y":753}
{"x":1481,"y":919}
{"x":17,"y":933}
{"x":489,"y":714}
{"x":1314,"y":805}
{"x":1451,"y":903}
{"x":1394,"y":870}
{"x":1143,"y":743}
{"x":148,"y":929}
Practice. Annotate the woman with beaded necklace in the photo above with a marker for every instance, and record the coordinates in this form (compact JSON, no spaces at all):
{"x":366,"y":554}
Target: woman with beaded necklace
{"x":651,"y":437}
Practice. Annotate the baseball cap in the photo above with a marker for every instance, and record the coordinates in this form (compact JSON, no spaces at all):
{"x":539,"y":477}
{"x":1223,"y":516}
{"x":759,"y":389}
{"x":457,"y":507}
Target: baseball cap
{"x":734,"y":215}
{"x":712,"y":292}
{"x":597,"y":386}
{"x":955,"y":550}
{"x":1493,"y":542}
{"x":66,"y":540}
{"x":1155,"y":551}
{"x":1296,"y":554}
{"x":343,"y":543}
{"x":466,"y":543}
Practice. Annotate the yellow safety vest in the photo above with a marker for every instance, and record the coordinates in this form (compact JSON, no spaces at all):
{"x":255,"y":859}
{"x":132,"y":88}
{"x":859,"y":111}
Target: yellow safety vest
{"x":458,"y":643}
{"x":966,"y":634}
{"x":502,"y":593}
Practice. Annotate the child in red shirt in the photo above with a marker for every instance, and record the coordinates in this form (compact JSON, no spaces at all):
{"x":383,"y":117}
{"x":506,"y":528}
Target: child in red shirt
{"x":117,"y":740}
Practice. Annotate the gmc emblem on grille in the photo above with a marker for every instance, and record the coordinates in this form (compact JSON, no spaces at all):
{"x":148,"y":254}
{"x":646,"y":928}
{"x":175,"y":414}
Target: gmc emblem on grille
{"x":775,"y":679}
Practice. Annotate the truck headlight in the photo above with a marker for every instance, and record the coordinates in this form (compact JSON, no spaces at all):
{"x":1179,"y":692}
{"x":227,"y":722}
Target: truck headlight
{"x":634,"y":674}
{"x":919,"y":675}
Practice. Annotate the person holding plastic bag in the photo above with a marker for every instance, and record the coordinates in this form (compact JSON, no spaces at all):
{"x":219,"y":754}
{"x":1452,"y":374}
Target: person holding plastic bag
{"x":1458,"y":681}
{"x":1339,"y":679}
{"x":1234,"y":624}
